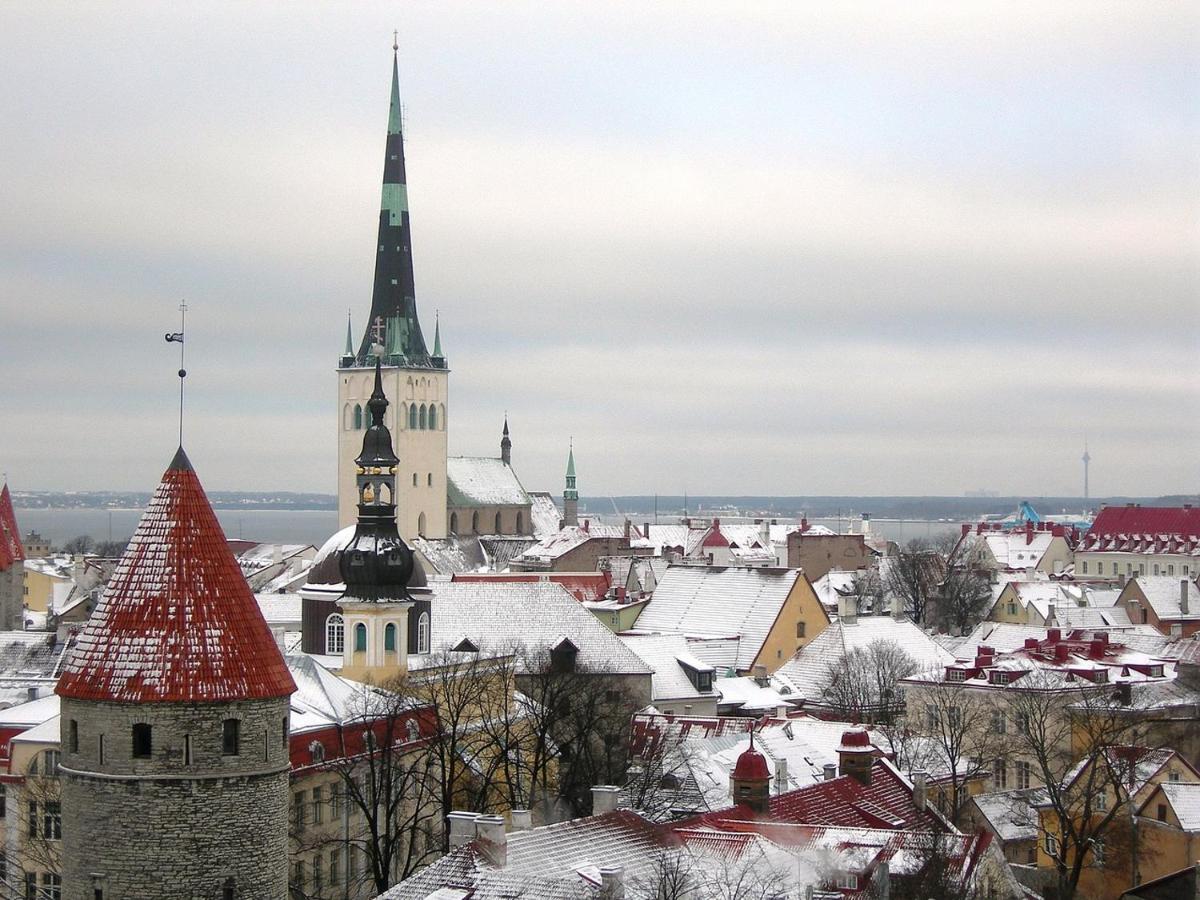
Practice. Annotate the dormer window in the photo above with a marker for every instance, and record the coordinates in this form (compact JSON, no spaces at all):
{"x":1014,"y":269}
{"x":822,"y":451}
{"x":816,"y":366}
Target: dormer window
{"x":562,"y":657}
{"x":317,"y":750}
{"x":956,"y":675}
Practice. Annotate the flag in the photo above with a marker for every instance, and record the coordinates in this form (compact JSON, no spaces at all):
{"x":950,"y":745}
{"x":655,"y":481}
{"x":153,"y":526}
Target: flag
{"x":176,"y":336}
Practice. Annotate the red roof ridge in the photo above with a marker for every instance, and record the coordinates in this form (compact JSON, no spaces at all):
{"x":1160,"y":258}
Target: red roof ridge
{"x":177,"y":621}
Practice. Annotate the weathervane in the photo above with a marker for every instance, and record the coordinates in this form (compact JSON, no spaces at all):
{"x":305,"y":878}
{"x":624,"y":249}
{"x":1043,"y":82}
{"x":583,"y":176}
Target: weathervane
{"x":177,"y":337}
{"x":395,"y":40}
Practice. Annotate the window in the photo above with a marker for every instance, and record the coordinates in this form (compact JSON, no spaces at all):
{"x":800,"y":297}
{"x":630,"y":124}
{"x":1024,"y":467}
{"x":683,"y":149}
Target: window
{"x":3,"y":802}
{"x":423,"y":633}
{"x":52,"y":820}
{"x":800,"y":628}
{"x":298,"y":875}
{"x":1101,"y":801}
{"x":318,"y":807}
{"x":284,"y":731}
{"x":1012,"y":607}
{"x":351,"y":863}
{"x":389,"y":638}
{"x":187,"y":749}
{"x":1156,"y":572}
{"x":229,"y":892}
{"x":1085,"y":568}
{"x":51,"y":886}
{"x":421,"y":524}
{"x":335,"y":866}
{"x":31,"y":891}
{"x":1162,"y":812}
{"x":1023,"y":722}
{"x":50,"y":761}
{"x":335,"y":801}
{"x":335,"y":635}
{"x":1024,"y":774}
{"x":999,"y":722}
{"x":1173,"y":776}
{"x":423,"y":418}
{"x":141,"y":741}
{"x":454,"y":523}
{"x":1051,"y":844}
{"x":931,"y":716}
{"x":73,"y":740}
{"x":358,"y":417}
{"x":414,"y":479}
{"x":298,"y":816}
{"x":429,"y":480}
{"x":704,"y":681}
{"x":412,"y":417}
{"x":317,"y":750}
{"x":956,"y":675}
{"x":360,"y":638}
{"x":1000,"y":775}
{"x":231,"y":737}
{"x":954,"y":716}
{"x":1114,"y":568}
{"x":846,"y":880}
{"x":1098,"y":851}
{"x":432,"y":418}
{"x":32,"y":820}
{"x":100,"y":749}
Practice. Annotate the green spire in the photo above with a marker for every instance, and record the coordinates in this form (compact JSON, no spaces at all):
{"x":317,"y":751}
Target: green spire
{"x":437,"y":335}
{"x":349,"y":337}
{"x":571,"y":461}
{"x":570,"y":493}
{"x":394,"y":113}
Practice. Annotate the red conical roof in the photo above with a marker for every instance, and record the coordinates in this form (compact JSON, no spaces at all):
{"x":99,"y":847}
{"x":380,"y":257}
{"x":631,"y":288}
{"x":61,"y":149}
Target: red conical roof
{"x":177,"y":621}
{"x":10,"y":537}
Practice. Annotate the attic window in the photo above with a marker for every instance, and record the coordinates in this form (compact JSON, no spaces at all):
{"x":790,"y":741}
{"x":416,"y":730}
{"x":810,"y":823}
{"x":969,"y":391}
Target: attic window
{"x":465,"y":646}
{"x":956,"y":675}
{"x":141,"y":741}
{"x":317,"y":749}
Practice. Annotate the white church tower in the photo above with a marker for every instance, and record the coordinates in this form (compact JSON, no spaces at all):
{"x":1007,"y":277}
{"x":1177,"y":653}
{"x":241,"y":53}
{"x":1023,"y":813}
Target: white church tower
{"x":417,"y":380}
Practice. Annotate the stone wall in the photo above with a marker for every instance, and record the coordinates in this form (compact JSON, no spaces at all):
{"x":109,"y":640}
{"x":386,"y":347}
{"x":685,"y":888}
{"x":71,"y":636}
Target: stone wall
{"x":188,"y":820}
{"x":12,"y":590}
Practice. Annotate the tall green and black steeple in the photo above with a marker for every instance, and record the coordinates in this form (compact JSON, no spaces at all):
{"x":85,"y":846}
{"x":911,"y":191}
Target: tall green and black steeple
{"x":393,"y":324}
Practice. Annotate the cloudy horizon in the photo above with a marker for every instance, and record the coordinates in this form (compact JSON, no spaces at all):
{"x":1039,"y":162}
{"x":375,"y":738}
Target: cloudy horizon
{"x":780,"y":251}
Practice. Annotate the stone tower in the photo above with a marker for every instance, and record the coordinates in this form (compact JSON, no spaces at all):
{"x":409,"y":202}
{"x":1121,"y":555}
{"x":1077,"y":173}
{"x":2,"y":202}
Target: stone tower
{"x":570,"y":494}
{"x":175,"y":721}
{"x":377,"y":567}
{"x":417,"y":380}
{"x":12,"y":567}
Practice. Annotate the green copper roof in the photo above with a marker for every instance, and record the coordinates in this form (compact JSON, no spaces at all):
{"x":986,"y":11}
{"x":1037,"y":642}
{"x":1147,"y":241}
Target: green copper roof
{"x":394,"y":114}
{"x":437,"y":337}
{"x":571,"y":463}
{"x":349,"y":337}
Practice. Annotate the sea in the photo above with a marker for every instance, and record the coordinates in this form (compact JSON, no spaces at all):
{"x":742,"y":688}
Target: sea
{"x":313,"y":526}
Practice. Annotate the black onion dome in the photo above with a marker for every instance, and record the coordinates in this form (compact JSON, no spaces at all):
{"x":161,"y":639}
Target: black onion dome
{"x":327,"y":564}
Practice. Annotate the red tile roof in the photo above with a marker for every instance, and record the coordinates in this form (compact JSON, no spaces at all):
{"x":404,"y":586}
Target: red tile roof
{"x":10,"y":538}
{"x":583,"y":586}
{"x":1150,"y":529}
{"x":177,"y":621}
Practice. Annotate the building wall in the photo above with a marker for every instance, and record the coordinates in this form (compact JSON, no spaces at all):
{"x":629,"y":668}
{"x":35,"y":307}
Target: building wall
{"x":39,"y":589}
{"x":786,"y":636}
{"x":1091,"y":564}
{"x":1167,"y":847}
{"x":1141,"y":612}
{"x":184,"y":829}
{"x":816,"y":554}
{"x":513,"y":520}
{"x":422,"y":452}
{"x":1058,"y":556}
{"x":12,"y":595}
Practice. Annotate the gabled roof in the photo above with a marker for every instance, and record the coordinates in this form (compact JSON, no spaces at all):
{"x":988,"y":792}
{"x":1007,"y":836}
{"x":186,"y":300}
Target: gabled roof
{"x":177,"y":621}
{"x":482,"y":481}
{"x":11,"y":549}
{"x":583,"y":586}
{"x":720,"y":601}
{"x":1010,"y":815}
{"x":1185,"y":802}
{"x":1164,"y":593}
{"x":543,"y":514}
{"x":667,"y":655}
{"x":1127,"y":520}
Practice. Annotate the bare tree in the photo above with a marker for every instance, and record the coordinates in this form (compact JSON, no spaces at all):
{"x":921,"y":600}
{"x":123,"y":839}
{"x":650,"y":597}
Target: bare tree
{"x":863,"y":685}
{"x":964,"y":592}
{"x":866,"y":588}
{"x":82,"y":543}
{"x":912,"y":574}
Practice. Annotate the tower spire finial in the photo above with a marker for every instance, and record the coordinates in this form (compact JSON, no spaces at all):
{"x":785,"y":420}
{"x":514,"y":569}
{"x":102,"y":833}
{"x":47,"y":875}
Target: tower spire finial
{"x":177,"y":337}
{"x":395,"y":41}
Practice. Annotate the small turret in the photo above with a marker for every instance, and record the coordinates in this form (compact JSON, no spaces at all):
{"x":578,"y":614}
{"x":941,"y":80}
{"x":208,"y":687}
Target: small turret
{"x":505,"y":444}
{"x":438,"y":360}
{"x":570,"y":494}
{"x":347,"y":359}
{"x":750,"y":783}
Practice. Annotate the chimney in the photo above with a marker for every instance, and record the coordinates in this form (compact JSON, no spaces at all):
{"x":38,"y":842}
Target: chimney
{"x":1031,"y":643}
{"x":1028,"y":532}
{"x":1054,"y":635}
{"x":489,"y":831}
{"x":646,"y":530}
{"x":621,"y":594}
{"x":612,"y":882}
{"x":462,"y":828}
{"x":31,"y":694}
{"x":803,"y":524}
{"x":1096,"y":649}
{"x":898,"y":608}
{"x":1183,"y":597}
{"x":764,"y":535}
{"x":781,"y":776}
{"x":760,"y":676}
{"x":587,"y":526}
{"x":521,"y":819}
{"x":966,"y":529}
{"x":1061,"y":651}
{"x":847,"y":610}
{"x":829,"y":770}
{"x":919,"y":779}
{"x":1121,"y":580}
{"x":604,"y":798}
{"x":626,"y":530}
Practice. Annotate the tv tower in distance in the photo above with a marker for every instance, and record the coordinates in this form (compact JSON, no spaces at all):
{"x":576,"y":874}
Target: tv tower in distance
{"x":1087,"y":458}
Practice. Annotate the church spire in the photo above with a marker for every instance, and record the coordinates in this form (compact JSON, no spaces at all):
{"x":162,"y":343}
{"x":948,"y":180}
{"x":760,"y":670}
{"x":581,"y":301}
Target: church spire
{"x":505,"y":444}
{"x":570,"y":494}
{"x":393,"y":299}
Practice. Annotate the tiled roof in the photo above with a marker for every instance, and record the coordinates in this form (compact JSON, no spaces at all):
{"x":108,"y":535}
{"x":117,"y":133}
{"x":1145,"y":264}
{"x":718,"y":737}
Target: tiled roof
{"x":536,"y":616}
{"x":666,"y":654}
{"x":720,"y":601}
{"x":544,"y":516}
{"x":1164,"y":593}
{"x":1134,"y":522}
{"x":11,"y":549}
{"x":177,"y":621}
{"x":567,"y":539}
{"x":1185,"y":801}
{"x":806,"y":673}
{"x":482,"y":481}
{"x":583,"y":586}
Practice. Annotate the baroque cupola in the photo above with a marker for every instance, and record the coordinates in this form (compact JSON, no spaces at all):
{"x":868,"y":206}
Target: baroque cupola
{"x":750,"y":782}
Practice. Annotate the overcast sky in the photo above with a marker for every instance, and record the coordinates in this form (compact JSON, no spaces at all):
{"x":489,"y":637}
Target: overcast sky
{"x":790,"y":248}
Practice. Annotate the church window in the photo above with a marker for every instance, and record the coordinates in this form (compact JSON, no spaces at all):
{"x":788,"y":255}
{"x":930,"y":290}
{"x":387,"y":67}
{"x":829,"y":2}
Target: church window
{"x":414,"y":479}
{"x":422,"y":417}
{"x":358,"y":417}
{"x":432,"y":417}
{"x":231,"y":737}
{"x":429,"y":480}
{"x":360,"y":638}
{"x":412,"y":416}
{"x":141,"y":741}
{"x":475,"y":523}
{"x":421,"y":524}
{"x":389,"y":638}
{"x":335,"y":635}
{"x":423,"y":633}
{"x":499,"y":529}
{"x":454,"y":523}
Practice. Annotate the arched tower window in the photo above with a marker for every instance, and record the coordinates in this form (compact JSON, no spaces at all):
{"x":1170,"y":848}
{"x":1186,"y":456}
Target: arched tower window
{"x":335,"y":635}
{"x":475,"y":523}
{"x":360,"y":638}
{"x":389,"y":638}
{"x":385,"y":492}
{"x":412,"y":416}
{"x":442,"y":415}
{"x":421,"y":524}
{"x":358,"y":417}
{"x":454,"y":523}
{"x":423,"y":633}
{"x":432,"y":417}
{"x":498,"y":530}
{"x":423,"y":417}
{"x":347,"y":418}
{"x":429,"y":480}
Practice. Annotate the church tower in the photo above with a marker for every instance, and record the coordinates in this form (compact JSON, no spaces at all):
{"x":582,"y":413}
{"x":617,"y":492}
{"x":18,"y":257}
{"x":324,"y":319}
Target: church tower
{"x":377,"y":567}
{"x":174,"y":712}
{"x":416,"y":379}
{"x":570,"y":494}
{"x":505,"y":444}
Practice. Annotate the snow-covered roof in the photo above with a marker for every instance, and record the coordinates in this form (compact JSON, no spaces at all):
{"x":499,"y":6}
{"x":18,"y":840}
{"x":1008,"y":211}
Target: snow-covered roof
{"x":749,"y":697}
{"x":806,"y":674}
{"x":567,"y":539}
{"x":666,"y":654}
{"x":47,"y":732}
{"x":29,"y":714}
{"x":544,"y":515}
{"x":482,"y":481}
{"x":322,"y":698}
{"x":720,"y":601}
{"x":1010,"y":815}
{"x":535,"y":616}
{"x":1185,"y":801}
{"x":1164,"y":593}
{"x":279,"y":609}
{"x":177,"y":621}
